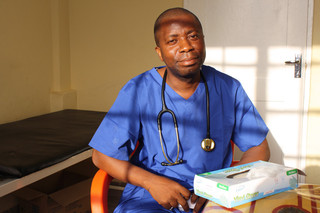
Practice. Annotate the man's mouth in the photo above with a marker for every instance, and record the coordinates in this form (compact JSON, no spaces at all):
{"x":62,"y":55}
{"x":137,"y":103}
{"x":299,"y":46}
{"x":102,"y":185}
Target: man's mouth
{"x":189,"y":61}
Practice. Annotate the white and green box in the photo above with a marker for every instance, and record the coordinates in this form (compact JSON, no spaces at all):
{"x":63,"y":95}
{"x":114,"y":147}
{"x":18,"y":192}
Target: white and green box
{"x":241,"y":184}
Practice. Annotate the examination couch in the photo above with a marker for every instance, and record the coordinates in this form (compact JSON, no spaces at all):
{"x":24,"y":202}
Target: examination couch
{"x":39,"y":146}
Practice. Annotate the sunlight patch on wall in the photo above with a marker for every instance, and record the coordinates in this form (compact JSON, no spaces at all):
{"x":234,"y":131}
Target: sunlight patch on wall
{"x":238,"y":62}
{"x":214,"y":55}
{"x":241,"y":55}
{"x":277,"y":55}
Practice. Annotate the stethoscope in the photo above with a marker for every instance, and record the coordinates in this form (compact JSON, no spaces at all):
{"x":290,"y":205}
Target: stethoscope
{"x":207,"y":144}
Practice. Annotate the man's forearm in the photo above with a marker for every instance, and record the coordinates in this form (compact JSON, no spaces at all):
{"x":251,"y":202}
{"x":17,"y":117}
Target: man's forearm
{"x":122,"y":170}
{"x":256,"y":153}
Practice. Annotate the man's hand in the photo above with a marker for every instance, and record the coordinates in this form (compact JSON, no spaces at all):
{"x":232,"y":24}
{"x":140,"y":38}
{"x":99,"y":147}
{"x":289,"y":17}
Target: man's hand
{"x":200,"y":201}
{"x":168,"y":193}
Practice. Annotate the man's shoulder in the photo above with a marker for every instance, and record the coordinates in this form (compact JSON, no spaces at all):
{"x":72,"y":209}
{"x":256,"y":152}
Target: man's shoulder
{"x":218,"y":76}
{"x":145,"y":76}
{"x":142,"y":81}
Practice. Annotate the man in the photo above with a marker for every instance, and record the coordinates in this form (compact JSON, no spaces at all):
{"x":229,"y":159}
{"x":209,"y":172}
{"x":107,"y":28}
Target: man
{"x":160,"y":173}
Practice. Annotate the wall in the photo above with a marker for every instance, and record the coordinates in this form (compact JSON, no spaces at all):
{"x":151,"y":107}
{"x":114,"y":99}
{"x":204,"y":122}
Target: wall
{"x":313,"y":145}
{"x":58,"y":54}
{"x":111,"y":42}
{"x":25,"y":58}
{"x":62,"y":95}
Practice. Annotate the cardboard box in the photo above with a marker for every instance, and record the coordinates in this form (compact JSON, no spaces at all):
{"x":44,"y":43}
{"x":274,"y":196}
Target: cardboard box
{"x":31,"y":200}
{"x":63,"y":192}
{"x":9,"y":204}
{"x":241,"y":184}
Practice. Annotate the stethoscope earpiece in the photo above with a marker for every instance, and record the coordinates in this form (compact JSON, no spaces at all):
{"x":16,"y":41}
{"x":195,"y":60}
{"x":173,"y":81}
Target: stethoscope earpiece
{"x":172,"y":164}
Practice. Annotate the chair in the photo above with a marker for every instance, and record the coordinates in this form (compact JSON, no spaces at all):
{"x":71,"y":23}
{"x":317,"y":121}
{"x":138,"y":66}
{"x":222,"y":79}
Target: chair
{"x":99,"y":192}
{"x":100,"y":187}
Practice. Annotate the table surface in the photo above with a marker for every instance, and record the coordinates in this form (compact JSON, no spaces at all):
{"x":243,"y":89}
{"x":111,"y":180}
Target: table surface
{"x":306,"y":198}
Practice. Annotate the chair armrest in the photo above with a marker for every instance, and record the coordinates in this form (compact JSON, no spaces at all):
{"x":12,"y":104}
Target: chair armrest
{"x":99,"y":192}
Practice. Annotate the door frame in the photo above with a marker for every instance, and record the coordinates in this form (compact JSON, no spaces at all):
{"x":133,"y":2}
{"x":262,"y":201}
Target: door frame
{"x":307,"y":82}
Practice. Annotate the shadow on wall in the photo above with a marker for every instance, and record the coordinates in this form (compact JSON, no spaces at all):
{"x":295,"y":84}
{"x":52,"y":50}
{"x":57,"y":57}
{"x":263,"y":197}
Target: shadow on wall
{"x":315,"y":170}
{"x":276,"y":155}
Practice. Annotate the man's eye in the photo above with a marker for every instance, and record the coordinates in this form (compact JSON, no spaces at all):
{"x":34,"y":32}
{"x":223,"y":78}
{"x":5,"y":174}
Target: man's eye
{"x":195,"y":36}
{"x":172,"y":41}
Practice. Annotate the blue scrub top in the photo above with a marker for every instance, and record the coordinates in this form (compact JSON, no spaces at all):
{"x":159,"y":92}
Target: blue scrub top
{"x":133,"y":117}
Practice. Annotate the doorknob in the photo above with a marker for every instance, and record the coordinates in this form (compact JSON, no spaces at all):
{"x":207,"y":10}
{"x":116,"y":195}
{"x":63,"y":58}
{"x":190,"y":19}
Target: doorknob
{"x":297,"y":65}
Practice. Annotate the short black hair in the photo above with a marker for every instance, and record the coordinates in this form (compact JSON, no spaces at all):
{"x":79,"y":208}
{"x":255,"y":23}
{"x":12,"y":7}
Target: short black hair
{"x":170,"y":12}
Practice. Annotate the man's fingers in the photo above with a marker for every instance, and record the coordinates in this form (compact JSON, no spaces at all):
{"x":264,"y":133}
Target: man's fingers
{"x":183,"y":200}
{"x":168,"y":206}
{"x":185,"y":193}
{"x":174,"y":204}
{"x":184,"y":204}
{"x":200,"y":202}
{"x":194,"y":198}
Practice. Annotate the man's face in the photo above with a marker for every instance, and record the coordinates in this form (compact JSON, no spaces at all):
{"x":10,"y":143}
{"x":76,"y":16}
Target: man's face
{"x":181,"y":45}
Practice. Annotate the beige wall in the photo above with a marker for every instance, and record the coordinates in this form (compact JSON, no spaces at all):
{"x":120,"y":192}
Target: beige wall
{"x":25,"y":58}
{"x":111,"y":42}
{"x":313,"y":144}
{"x":58,"y":54}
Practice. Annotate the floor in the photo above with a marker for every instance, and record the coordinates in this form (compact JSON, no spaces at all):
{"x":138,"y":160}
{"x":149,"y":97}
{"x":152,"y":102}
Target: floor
{"x":114,"y":194}
{"x":113,"y":199}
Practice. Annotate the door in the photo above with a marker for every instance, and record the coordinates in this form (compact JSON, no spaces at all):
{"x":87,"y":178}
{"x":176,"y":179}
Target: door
{"x":251,"y":40}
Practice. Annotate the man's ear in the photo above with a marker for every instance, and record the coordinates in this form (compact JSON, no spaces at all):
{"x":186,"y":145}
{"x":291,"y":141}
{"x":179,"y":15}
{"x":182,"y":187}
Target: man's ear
{"x":159,"y":52}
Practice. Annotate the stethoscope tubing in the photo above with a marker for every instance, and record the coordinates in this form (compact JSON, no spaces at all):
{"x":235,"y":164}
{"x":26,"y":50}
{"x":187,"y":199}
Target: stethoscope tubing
{"x":207,"y":103}
{"x":166,"y":110}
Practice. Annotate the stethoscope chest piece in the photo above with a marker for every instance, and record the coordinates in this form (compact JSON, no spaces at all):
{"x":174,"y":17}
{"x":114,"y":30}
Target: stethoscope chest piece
{"x":207,"y":144}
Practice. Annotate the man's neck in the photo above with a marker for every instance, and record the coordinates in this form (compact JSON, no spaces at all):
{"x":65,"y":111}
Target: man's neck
{"x":185,"y":87}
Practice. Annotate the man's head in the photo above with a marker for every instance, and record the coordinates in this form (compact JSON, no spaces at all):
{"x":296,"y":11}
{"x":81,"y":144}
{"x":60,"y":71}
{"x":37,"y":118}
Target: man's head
{"x":180,"y":42}
{"x":172,"y":12}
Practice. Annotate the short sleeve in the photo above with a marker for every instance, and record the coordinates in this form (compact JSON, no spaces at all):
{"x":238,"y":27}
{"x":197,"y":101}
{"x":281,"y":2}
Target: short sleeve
{"x":250,"y":129}
{"x":119,"y":130}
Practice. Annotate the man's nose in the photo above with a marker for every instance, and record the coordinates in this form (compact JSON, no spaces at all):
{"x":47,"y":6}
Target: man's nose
{"x":185,"y":45}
